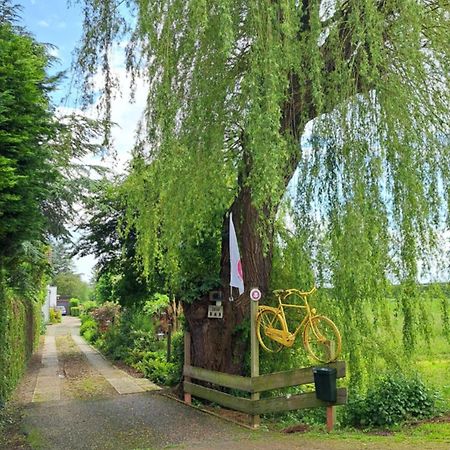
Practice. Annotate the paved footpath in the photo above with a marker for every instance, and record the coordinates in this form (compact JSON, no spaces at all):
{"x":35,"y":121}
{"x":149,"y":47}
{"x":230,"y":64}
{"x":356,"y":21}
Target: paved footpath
{"x":137,"y":418}
{"x":49,"y":378}
{"x":48,"y":381}
{"x":134,"y":415}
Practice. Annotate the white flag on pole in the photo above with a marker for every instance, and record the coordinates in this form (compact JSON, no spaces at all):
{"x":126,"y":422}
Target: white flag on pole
{"x":236,"y":274}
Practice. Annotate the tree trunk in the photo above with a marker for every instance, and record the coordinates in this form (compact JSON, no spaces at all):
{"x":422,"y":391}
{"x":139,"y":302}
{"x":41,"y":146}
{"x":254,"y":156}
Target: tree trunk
{"x":219,"y":344}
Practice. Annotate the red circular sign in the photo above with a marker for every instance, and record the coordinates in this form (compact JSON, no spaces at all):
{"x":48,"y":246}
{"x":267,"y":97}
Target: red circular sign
{"x":255,"y":294}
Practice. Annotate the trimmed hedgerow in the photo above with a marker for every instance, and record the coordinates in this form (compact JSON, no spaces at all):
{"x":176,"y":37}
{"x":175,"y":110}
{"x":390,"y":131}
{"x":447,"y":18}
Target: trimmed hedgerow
{"x":19,"y":334}
{"x":74,"y":310}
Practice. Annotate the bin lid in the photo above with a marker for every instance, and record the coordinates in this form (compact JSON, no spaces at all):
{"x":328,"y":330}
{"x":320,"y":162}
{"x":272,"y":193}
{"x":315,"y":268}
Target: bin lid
{"x":324,"y":370}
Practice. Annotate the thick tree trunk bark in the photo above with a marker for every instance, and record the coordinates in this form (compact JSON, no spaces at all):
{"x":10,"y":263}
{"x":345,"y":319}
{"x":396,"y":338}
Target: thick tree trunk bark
{"x":219,"y":344}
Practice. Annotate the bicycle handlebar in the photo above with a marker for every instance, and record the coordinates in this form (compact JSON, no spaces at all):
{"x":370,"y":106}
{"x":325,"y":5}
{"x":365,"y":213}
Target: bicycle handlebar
{"x":295,"y":291}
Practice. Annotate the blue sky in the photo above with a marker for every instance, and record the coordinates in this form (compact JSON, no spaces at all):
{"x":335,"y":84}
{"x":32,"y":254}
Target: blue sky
{"x":53,"y":22}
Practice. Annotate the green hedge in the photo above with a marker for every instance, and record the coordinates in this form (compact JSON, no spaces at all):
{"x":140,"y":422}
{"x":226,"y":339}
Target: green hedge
{"x":74,"y":310}
{"x":20,"y":322}
{"x":74,"y":302}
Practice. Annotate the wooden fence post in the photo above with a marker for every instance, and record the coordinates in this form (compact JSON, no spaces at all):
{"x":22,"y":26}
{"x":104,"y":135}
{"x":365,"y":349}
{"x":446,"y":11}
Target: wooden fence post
{"x":169,"y":343}
{"x":187,"y":362}
{"x":331,"y":417}
{"x":254,"y":355}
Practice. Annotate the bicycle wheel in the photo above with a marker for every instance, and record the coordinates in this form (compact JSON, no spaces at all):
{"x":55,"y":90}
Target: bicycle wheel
{"x":268,"y":318}
{"x":322,"y":339}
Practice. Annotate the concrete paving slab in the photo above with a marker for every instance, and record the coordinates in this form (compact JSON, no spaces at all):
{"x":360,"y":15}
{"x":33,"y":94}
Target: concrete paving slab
{"x":126,"y":422}
{"x":48,"y":381}
{"x":119,"y":380}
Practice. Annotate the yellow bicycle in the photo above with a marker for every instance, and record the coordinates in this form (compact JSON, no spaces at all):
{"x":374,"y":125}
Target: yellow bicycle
{"x":321,"y":337}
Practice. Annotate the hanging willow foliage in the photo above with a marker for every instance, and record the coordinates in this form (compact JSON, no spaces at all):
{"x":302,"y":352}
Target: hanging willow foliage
{"x":233,"y":86}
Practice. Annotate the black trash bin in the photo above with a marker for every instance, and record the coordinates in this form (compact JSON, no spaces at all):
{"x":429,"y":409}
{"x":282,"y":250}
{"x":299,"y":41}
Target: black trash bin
{"x":325,"y":382}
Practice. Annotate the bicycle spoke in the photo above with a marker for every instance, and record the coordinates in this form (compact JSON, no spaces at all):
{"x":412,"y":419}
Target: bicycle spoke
{"x":322,"y":339}
{"x":268,"y":319}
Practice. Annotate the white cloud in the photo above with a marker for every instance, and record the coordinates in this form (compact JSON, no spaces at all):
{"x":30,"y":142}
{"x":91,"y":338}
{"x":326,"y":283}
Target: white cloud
{"x":84,"y":266}
{"x":43,"y":23}
{"x":54,"y":51}
{"x":125,"y":113}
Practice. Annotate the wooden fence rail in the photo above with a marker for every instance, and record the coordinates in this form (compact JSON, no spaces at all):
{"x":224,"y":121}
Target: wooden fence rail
{"x":261,"y":383}
{"x":256,"y":384}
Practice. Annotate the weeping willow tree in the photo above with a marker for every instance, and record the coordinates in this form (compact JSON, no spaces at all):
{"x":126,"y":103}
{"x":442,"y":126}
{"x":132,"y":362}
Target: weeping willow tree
{"x":232,"y":88}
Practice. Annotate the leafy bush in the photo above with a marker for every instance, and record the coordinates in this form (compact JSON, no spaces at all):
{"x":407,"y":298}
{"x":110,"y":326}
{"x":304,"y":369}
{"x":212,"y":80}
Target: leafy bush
{"x":133,"y":334}
{"x":88,"y":328}
{"x":75,"y":311}
{"x":158,"y":303}
{"x":130,"y":336}
{"x":392,"y":400}
{"x":55,"y":316}
{"x":115,"y":343}
{"x":74,"y":302}
{"x":106,"y":315}
{"x":178,"y":355}
{"x":88,"y":306}
{"x":155,"y":367}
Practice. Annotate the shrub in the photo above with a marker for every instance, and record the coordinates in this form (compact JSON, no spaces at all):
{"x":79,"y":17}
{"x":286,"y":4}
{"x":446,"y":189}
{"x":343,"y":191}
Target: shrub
{"x":133,"y":334}
{"x":178,"y":355}
{"x":392,"y":400}
{"x":88,"y":306}
{"x":90,"y":335}
{"x":74,"y":302}
{"x":55,"y":316}
{"x":106,"y":315}
{"x":115,"y":343}
{"x":75,"y":311}
{"x":133,"y":340}
{"x":155,"y":367}
{"x":88,"y":328}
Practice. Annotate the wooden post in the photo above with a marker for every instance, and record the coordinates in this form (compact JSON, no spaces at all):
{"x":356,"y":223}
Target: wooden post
{"x":169,"y":343}
{"x":331,"y":410}
{"x":187,"y":362}
{"x":254,"y":355}
{"x":331,"y":417}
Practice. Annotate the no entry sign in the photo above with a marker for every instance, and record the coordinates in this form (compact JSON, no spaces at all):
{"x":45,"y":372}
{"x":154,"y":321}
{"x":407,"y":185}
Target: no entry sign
{"x":255,"y":294}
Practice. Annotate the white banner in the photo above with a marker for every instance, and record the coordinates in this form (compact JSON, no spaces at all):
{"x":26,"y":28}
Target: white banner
{"x":236,"y":274}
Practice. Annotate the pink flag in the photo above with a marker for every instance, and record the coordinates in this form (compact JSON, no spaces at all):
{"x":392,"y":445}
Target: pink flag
{"x":236,"y":275}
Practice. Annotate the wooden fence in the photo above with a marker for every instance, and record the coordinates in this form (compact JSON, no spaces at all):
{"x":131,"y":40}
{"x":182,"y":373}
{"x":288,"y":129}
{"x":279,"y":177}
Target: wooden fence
{"x":256,"y":384}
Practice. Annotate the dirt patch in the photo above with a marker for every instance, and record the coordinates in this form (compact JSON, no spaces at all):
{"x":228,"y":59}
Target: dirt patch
{"x":441,"y":419}
{"x":234,"y":416}
{"x":79,"y":380}
{"x":227,"y":414}
{"x":11,"y":435}
{"x":299,"y":428}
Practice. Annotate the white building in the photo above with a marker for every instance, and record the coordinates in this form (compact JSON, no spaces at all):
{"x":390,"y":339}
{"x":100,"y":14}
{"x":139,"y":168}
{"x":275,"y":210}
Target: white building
{"x":50,"y":302}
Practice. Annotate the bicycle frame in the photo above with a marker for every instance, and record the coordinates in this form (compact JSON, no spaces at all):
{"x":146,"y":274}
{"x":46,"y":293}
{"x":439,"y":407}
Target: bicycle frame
{"x":284,"y":336}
